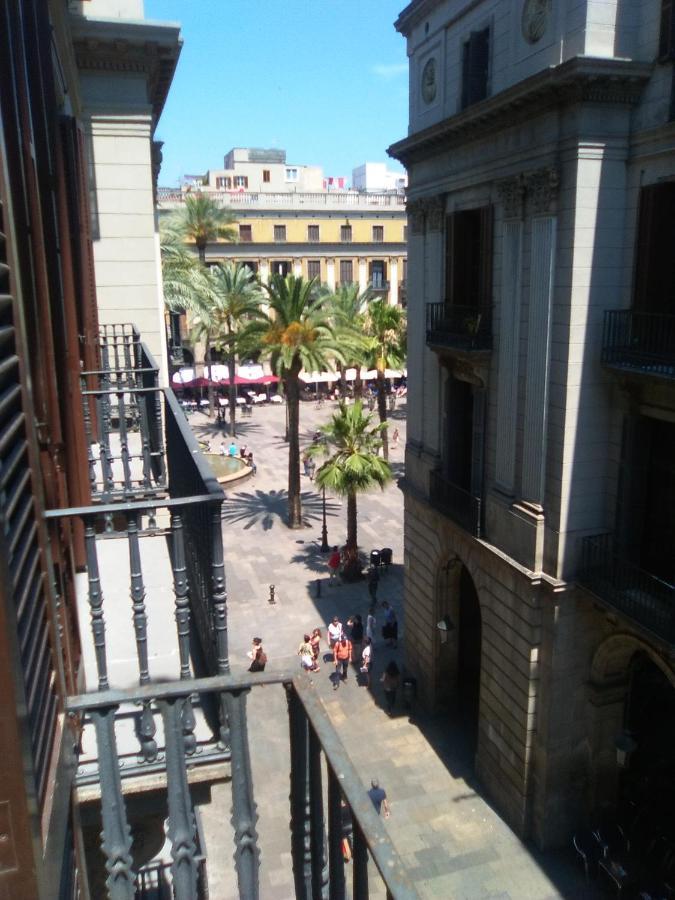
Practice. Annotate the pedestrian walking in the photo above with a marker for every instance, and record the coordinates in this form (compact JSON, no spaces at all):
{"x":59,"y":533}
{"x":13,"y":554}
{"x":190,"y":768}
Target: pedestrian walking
{"x":306,"y":655}
{"x":347,"y":830}
{"x":371,"y":624}
{"x":257,"y":656}
{"x":252,"y":464}
{"x":315,"y":641}
{"x":378,"y":798}
{"x":390,"y":627}
{"x":395,"y":437}
{"x":305,"y":464}
{"x":333,"y":566}
{"x":312,"y":469}
{"x":373,"y":582}
{"x":390,"y":681}
{"x":335,"y":632}
{"x":355,"y":634}
{"x":366,"y":661}
{"x":342,"y":654}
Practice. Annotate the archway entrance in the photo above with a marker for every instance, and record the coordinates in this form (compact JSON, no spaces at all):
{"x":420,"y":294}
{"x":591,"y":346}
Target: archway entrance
{"x":469,"y":659}
{"x":649,"y":779}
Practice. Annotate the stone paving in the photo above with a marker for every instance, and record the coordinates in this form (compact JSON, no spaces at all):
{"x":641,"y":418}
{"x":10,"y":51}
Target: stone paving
{"x":454,"y":844}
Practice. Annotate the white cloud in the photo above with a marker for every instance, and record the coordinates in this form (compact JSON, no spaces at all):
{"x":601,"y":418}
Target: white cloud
{"x":388,"y":71}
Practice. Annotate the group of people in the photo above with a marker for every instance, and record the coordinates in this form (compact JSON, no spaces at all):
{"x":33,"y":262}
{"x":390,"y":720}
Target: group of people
{"x":243,"y":453}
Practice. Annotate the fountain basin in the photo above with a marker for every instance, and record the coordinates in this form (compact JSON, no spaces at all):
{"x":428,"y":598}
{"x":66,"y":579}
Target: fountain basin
{"x":227,"y":468}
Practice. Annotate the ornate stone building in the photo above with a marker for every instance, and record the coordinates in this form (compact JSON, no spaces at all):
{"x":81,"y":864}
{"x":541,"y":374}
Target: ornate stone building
{"x":540,"y":474}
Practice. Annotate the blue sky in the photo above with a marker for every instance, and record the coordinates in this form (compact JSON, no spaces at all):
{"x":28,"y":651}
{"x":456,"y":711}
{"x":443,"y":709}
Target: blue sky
{"x":324,"y":79}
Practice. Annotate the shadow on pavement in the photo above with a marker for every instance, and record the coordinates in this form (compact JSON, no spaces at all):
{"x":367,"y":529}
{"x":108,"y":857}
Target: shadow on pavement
{"x":268,"y":507}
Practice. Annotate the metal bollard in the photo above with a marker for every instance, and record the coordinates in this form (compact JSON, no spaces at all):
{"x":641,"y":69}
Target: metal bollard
{"x":271,"y":597}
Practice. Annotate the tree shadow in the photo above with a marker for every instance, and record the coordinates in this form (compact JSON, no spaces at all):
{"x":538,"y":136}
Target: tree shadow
{"x":268,"y":507}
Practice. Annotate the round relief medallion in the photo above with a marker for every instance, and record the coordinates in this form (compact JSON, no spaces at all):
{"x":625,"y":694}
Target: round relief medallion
{"x":535,"y":19}
{"x":429,"y":81}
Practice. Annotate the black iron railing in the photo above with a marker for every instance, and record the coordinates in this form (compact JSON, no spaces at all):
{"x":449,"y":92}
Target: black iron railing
{"x":154,"y":881}
{"x":458,"y":504}
{"x":123,"y":419}
{"x":316,"y":830}
{"x":640,"y":342}
{"x":458,"y":327}
{"x":647,"y":600}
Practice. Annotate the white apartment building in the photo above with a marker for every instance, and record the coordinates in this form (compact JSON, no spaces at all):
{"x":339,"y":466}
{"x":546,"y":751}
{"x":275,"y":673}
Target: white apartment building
{"x":375,"y":176}
{"x":257,"y":169}
{"x":540,"y":465}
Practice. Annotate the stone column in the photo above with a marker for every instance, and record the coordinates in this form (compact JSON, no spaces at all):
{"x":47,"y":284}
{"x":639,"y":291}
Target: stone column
{"x":264,"y":269}
{"x":297,"y":268}
{"x":510,"y":192}
{"x":363,"y":274}
{"x":416,"y":324}
{"x":393,"y":281}
{"x":541,"y":186}
{"x":330,"y":274}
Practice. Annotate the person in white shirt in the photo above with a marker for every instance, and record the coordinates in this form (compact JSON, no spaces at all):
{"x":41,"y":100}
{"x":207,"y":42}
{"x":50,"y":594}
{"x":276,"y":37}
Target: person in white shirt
{"x":334,"y":632}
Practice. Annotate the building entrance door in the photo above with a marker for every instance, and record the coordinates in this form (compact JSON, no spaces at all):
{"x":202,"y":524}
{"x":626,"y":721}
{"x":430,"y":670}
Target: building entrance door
{"x":469,"y":659}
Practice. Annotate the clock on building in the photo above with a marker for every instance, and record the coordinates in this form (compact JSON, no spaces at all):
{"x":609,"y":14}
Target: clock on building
{"x":429,"y":80}
{"x":535,"y":19}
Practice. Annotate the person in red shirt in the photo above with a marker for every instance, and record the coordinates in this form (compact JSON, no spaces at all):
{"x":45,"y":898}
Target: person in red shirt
{"x":334,"y":565}
{"x":342,"y":654}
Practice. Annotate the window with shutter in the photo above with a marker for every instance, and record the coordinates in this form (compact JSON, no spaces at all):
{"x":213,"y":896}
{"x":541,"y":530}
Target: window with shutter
{"x":246,"y":233}
{"x":346,"y":234}
{"x":654,"y":259}
{"x":279,"y":233}
{"x":313,"y":233}
{"x":346,"y":271}
{"x":20,"y":543}
{"x":314,"y":268}
{"x":475,"y":67}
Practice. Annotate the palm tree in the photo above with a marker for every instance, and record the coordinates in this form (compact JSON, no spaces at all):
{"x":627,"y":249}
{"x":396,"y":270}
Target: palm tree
{"x":385,"y":325}
{"x":354,"y":468}
{"x":187,"y":286}
{"x":348,"y":307}
{"x":201,"y":220}
{"x":236,"y":308}
{"x":297,"y":334}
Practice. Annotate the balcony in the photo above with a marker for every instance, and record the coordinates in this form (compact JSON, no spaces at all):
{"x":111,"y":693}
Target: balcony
{"x":639,"y":343}
{"x":162,"y":711}
{"x":456,"y":503}
{"x":171,"y":198}
{"x":454,"y":327}
{"x":378,"y":286}
{"x":647,"y":600}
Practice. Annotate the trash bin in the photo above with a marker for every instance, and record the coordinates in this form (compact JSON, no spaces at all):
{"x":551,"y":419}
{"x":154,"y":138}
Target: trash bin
{"x":375,"y":558}
{"x":386,"y":554}
{"x":409,"y":690}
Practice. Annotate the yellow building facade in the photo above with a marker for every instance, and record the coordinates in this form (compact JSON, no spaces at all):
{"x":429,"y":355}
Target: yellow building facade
{"x":336,"y":237}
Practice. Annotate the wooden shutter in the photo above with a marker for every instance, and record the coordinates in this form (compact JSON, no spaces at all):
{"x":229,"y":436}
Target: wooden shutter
{"x":475,"y":67}
{"x":20,"y":539}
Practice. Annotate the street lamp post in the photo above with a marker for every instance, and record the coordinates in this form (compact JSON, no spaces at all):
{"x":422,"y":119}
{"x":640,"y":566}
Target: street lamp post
{"x":324,"y":530}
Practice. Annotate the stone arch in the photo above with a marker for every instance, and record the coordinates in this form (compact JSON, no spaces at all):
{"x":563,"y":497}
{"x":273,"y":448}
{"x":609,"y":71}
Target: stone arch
{"x":608,"y":690}
{"x":611,"y":659}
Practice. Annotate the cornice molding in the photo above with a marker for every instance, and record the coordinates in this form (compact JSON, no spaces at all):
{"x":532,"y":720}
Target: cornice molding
{"x":579,"y":80}
{"x":413,"y":14}
{"x":145,"y":48}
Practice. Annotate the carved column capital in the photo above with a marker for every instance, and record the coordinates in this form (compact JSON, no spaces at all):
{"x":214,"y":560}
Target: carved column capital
{"x":415,"y":210}
{"x":542,"y":188}
{"x":511,"y":193}
{"x":435,"y":212}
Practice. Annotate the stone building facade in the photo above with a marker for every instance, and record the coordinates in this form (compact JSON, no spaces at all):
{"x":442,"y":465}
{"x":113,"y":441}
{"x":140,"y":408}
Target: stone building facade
{"x":540,"y":482}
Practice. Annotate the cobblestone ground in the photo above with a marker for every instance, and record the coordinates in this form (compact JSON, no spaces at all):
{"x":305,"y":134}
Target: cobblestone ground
{"x":453,"y":843}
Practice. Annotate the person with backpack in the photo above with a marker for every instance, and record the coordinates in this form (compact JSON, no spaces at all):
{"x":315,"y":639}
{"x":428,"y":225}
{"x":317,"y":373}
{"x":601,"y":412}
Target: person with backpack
{"x":257,"y":656}
{"x":342,"y":654}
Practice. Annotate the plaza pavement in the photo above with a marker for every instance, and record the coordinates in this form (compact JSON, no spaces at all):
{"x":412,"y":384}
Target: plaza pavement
{"x":452,"y":842}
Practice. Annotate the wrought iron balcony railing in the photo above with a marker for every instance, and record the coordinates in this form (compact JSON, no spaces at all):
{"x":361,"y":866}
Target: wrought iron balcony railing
{"x":630,"y":590}
{"x":640,"y":342}
{"x":196,"y":711}
{"x":123,"y":419}
{"x":458,"y":327}
{"x":458,"y":504}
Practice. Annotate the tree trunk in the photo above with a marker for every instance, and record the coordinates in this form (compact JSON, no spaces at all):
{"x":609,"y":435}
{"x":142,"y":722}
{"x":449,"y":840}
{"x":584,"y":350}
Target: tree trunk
{"x":207,"y":362}
{"x":351,"y":569}
{"x":358,"y":385}
{"x":382,"y":410}
{"x":292,"y":385}
{"x":343,"y":381}
{"x":232,"y":395}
